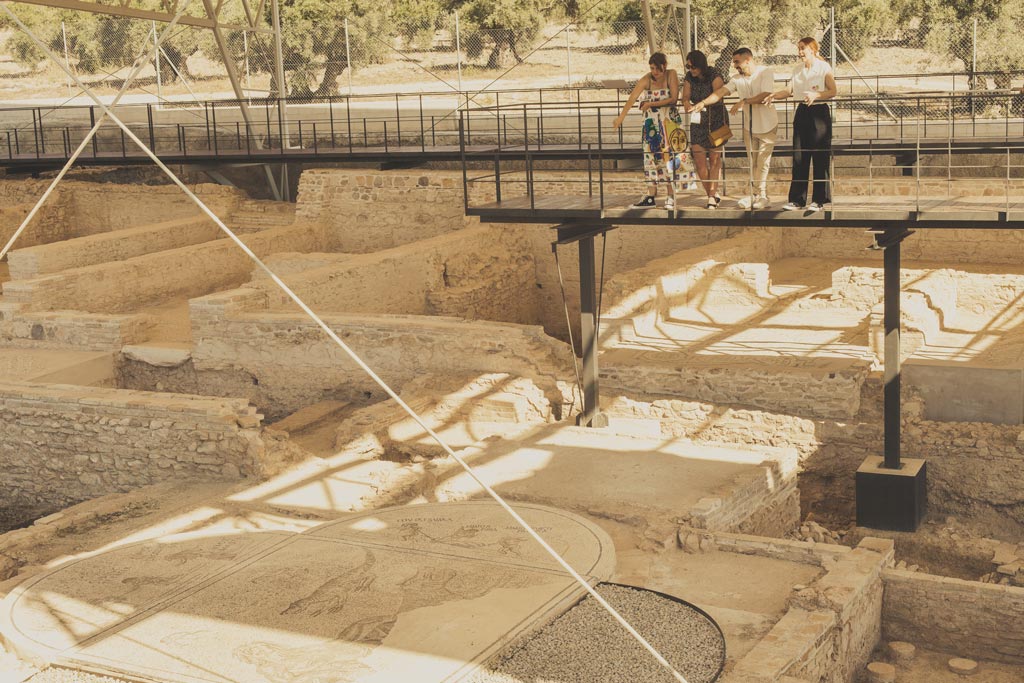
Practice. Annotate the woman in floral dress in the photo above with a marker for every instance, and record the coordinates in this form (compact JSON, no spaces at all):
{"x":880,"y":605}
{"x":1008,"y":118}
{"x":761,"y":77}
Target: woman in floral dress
{"x":658,"y":92}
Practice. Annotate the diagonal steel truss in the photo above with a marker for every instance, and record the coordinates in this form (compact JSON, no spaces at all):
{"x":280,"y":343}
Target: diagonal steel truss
{"x":168,"y":9}
{"x":590,"y":590}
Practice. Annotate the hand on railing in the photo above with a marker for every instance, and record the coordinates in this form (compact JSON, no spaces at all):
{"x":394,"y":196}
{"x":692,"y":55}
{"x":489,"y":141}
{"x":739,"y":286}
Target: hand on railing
{"x":735,"y":109}
{"x":694,"y":108}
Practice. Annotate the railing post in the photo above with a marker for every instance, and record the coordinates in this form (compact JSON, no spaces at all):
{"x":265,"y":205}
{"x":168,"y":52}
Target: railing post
{"x":206,"y":112}
{"x":423,"y":133}
{"x":330,"y":114}
{"x":540,"y":121}
{"x":526,"y":128}
{"x":42,"y":135}
{"x":497,"y":176}
{"x":348,"y":122}
{"x":35,"y":132}
{"x":152,"y":133}
{"x":579,"y":118}
{"x":280,"y":125}
{"x":462,"y":155}
{"x":213,"y":112}
{"x":398,"y":121}
{"x":600,"y":157}
{"x":92,"y":123}
{"x":590,"y":170}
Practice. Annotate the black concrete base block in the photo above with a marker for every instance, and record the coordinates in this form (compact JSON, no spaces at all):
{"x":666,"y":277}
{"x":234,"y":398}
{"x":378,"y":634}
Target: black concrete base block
{"x":891,"y":499}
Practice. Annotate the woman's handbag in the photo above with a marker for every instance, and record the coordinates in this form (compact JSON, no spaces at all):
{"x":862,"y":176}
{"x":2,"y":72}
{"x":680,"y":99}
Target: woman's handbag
{"x":719,"y":136}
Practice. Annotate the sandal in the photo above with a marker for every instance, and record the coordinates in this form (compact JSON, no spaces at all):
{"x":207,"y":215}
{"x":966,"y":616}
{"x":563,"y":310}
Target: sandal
{"x":718,"y":199}
{"x":712,"y":204}
{"x":647,"y":200}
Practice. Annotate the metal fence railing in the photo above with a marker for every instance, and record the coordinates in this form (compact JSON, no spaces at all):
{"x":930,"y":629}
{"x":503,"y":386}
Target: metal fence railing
{"x":549,"y":121}
{"x":930,"y":153}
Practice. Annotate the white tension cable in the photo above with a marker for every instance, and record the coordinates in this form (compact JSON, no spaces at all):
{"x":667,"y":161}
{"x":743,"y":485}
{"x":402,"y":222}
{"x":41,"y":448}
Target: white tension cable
{"x":355,"y":358}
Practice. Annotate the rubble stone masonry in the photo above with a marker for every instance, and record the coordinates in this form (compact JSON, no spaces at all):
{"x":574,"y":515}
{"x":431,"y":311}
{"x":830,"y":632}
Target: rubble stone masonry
{"x":62,"y":444}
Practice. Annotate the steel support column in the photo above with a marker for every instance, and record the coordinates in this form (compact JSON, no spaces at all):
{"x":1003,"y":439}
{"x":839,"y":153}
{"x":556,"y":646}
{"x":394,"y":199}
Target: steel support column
{"x":892,"y":491}
{"x":584,"y":235}
{"x":891,"y":359}
{"x":588,"y":332}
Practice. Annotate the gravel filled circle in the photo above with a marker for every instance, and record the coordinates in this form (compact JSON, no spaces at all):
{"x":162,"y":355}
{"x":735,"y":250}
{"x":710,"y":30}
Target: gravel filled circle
{"x":586,"y":645}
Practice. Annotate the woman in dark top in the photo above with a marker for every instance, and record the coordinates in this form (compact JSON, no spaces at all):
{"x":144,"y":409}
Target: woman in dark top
{"x":701,"y":80}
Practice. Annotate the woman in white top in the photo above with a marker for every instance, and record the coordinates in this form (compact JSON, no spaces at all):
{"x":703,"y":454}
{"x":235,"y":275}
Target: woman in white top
{"x":813,"y":83}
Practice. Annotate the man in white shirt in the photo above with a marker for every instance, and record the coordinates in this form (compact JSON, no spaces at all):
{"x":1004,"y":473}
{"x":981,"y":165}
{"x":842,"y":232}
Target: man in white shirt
{"x":752,"y":84}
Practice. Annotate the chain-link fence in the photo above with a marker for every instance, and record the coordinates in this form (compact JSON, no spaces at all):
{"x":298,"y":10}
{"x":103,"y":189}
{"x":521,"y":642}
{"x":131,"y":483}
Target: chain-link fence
{"x":362,"y":55}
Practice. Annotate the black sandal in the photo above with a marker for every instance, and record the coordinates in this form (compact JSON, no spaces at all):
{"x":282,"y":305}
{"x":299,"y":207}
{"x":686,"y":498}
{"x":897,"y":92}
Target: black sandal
{"x":648,"y":200}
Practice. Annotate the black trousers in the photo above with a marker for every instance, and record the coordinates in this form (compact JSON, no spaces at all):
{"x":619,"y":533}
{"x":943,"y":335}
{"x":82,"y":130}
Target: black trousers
{"x":812,"y":142}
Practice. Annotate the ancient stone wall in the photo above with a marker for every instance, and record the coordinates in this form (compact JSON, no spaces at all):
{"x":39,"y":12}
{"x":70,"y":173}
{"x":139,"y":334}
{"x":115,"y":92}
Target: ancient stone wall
{"x":967,"y":618}
{"x":100,"y":207}
{"x":644,"y":294}
{"x":49,"y":224}
{"x":371,"y":211}
{"x":116,"y":245}
{"x":975,"y":470}
{"x":60,"y":445}
{"x":482,"y":272}
{"x":942,"y":246}
{"x":70,"y":330}
{"x":832,"y":625}
{"x":127,"y":285}
{"x":366,"y":212}
{"x":291,"y":362}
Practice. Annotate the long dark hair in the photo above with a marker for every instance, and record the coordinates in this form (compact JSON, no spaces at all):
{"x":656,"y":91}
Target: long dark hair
{"x":699,"y":60}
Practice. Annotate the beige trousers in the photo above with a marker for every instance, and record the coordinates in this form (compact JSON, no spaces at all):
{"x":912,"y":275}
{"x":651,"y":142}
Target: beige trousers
{"x":759,"y":149}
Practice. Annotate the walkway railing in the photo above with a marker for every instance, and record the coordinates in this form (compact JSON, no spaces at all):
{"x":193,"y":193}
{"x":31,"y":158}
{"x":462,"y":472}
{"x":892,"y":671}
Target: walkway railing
{"x":933,"y":151}
{"x":426,"y":126}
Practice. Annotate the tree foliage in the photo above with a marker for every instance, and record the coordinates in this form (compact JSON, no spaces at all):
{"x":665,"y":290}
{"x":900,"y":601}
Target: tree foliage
{"x":96,"y":42}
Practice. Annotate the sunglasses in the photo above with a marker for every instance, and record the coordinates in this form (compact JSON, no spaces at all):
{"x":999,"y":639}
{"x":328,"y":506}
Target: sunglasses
{"x":690,"y":66}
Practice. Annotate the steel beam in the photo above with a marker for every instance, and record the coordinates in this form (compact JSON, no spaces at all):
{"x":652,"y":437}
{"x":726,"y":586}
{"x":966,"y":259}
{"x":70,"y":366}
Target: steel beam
{"x":135,"y":13}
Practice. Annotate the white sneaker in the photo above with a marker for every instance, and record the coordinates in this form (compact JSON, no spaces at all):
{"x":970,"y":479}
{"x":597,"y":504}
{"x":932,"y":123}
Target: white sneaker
{"x":813,"y":207}
{"x":745,"y":203}
{"x":670,"y":203}
{"x":792,"y":206}
{"x":762,"y":202}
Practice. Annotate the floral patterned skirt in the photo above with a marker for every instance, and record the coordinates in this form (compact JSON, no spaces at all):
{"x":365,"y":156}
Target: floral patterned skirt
{"x":664,"y":158}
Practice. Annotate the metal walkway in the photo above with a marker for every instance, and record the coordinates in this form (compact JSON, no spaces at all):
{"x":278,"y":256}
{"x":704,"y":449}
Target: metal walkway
{"x":560,"y":124}
{"x":888,"y":188}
